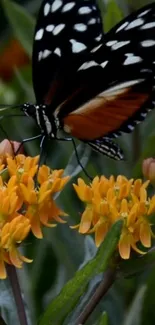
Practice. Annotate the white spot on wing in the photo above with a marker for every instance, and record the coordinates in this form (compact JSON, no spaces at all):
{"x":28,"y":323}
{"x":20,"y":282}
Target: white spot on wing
{"x":132,"y":60}
{"x":143,"y":114}
{"x":120,"y":44}
{"x":84,"y":10}
{"x":96,"y":48}
{"x":103,"y":64}
{"x":58,"y":29}
{"x":98,"y":38}
{"x":49,"y":28}
{"x":122,"y":26}
{"x":39,"y":34}
{"x":46,"y":53}
{"x":57,"y":51}
{"x":40,"y":55}
{"x":130,"y":127}
{"x":144,"y":13}
{"x":47,"y":9}
{"x":111,"y":43}
{"x":77,"y":46}
{"x":88,"y":65}
{"x":129,"y":54}
{"x":80,"y":27}
{"x":135,"y":23}
{"x":148,"y":25}
{"x":56,"y":5}
{"x":68,"y":6}
{"x":148,"y":43}
{"x":92,"y":21}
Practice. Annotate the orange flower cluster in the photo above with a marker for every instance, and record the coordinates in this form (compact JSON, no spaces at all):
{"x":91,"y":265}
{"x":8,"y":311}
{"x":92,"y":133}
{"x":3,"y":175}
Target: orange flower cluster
{"x":25,"y":206}
{"x":108,"y":200}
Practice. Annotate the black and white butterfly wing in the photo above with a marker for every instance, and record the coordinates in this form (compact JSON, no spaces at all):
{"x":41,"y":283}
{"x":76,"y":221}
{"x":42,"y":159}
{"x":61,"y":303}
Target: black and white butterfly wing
{"x":95,"y":86}
{"x":114,"y":88}
{"x":66,"y":31}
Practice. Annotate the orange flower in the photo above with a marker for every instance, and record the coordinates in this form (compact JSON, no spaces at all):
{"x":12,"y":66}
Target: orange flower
{"x":26,"y":206}
{"x":108,"y":200}
{"x":54,"y":177}
{"x":40,"y":206}
{"x":9,"y":202}
{"x":22,"y":167}
{"x":12,"y":234}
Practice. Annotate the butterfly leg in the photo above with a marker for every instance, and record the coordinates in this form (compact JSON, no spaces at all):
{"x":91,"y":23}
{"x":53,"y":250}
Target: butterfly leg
{"x":79,"y":162}
{"x":43,"y":153}
{"x":63,"y":139}
{"x":28,"y":140}
{"x":77,"y":157}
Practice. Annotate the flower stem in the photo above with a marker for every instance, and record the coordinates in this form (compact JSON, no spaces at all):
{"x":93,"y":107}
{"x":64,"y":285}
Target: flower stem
{"x":102,"y":289}
{"x":12,"y":275}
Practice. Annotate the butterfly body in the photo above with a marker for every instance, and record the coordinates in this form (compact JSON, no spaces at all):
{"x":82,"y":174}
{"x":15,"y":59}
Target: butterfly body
{"x":92,"y":85}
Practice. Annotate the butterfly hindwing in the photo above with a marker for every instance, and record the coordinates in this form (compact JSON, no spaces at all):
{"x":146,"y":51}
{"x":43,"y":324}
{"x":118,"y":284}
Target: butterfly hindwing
{"x":107,"y":147}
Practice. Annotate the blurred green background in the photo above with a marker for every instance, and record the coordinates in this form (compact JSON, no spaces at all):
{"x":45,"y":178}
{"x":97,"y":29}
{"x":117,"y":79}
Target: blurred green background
{"x":62,"y":251}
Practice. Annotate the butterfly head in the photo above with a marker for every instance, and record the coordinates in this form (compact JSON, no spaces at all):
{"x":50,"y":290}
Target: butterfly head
{"x":45,"y":122}
{"x":29,"y":109}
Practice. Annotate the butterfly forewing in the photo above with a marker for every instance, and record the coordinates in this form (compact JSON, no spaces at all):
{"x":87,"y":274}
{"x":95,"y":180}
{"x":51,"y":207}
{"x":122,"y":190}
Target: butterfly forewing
{"x":66,"y":30}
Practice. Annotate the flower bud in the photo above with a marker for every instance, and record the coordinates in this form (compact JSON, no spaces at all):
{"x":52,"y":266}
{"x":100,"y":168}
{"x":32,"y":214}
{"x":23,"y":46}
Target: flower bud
{"x":10,"y":147}
{"x":148,"y":168}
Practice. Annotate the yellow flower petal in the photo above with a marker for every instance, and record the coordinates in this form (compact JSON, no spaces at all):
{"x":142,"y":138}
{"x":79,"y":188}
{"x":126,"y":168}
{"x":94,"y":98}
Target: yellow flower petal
{"x":100,"y":233}
{"x":124,"y":207}
{"x":152,"y":206}
{"x":86,"y":219}
{"x":145,"y":234}
{"x":3,"y":274}
{"x":36,"y":228}
{"x":124,"y":246}
{"x":14,"y":257}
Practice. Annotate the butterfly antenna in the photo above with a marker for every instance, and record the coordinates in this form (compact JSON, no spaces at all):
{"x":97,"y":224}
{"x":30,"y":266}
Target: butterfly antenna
{"x":79,"y":162}
{"x":4,"y":107}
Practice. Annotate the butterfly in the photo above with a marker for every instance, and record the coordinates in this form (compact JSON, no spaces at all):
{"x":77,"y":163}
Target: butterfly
{"x":92,"y":85}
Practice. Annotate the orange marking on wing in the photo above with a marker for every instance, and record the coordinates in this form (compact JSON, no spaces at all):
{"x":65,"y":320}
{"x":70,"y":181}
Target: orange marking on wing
{"x":101,"y":115}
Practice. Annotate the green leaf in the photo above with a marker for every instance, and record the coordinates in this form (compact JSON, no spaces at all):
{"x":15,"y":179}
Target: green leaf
{"x":5,"y":174}
{"x":104,"y":319}
{"x":64,"y":303}
{"x":113,"y":15}
{"x":148,"y":310}
{"x":21,"y":22}
{"x":7,"y":95}
{"x":134,"y":314}
{"x":8,"y":308}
